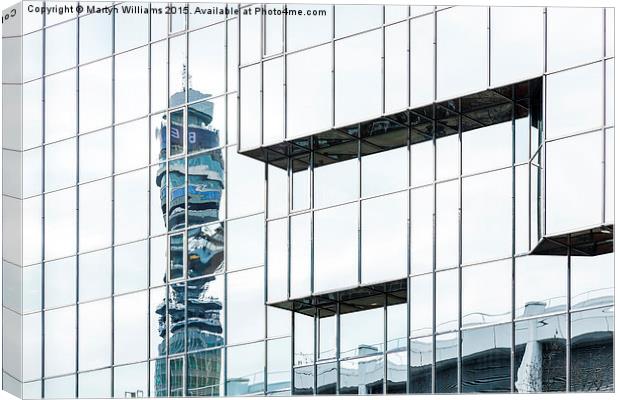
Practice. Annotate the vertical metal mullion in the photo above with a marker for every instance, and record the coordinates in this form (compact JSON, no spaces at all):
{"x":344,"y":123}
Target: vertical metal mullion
{"x":149,"y":222}
{"x":459,"y":370}
{"x":434,"y":258}
{"x":568,"y":316}
{"x":42,"y":234}
{"x":514,"y":238}
{"x":488,"y":47}
{"x":77,"y":205}
{"x":385,"y":336}
{"x":333,"y":71}
{"x":383,"y":61}
{"x":338,"y":347}
{"x":408,"y":286}
{"x":112,"y":214}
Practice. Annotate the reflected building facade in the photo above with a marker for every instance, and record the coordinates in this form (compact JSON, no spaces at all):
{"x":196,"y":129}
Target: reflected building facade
{"x":235,"y":203}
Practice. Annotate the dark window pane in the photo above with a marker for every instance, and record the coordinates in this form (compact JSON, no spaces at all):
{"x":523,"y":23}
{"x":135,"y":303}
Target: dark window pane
{"x":485,"y":366}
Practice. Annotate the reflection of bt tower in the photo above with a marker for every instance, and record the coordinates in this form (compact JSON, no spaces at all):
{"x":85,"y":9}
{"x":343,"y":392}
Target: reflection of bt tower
{"x":201,"y":321}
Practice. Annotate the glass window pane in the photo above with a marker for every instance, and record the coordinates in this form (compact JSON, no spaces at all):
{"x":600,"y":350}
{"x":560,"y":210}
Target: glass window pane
{"x":95,"y":220}
{"x":32,"y":345}
{"x":131,"y":85}
{"x":396,"y":65}
{"x":396,"y":372}
{"x":60,"y":388}
{"x":574,"y":100}
{"x":206,"y":125}
{"x":277,"y":260}
{"x":326,"y":337}
{"x":487,"y":216}
{"x":245,"y":364}
{"x":95,"y":155}
{"x":205,"y":373}
{"x":335,"y":243}
{"x":592,"y":280}
{"x":609,"y":92}
{"x":130,"y":267}
{"x":246,"y":305}
{"x":178,"y":17}
{"x":336,"y":183}
{"x":60,"y":340}
{"x":487,"y":148}
{"x":95,"y":329}
{"x":206,"y":301}
{"x":393,"y":13}
{"x":176,"y":371}
{"x":176,"y":263}
{"x":567,"y":46}
{"x":273,"y":101}
{"x":447,"y":157}
{"x":492,"y":304}
{"x":384,"y":172}
{"x":574,"y":172}
{"x":157,"y":331}
{"x":60,"y":47}
{"x":273,"y":25}
{"x":304,"y":339}
{"x":158,"y":199}
{"x":308,"y":88}
{"x":95,"y":384}
{"x":461,"y":40}
{"x":250,"y":39}
{"x":358,"y":59}
{"x":32,"y":56}
{"x":131,"y":28}
{"x":130,"y":206}
{"x":396,"y":326}
{"x":540,"y":355}
{"x":176,"y":197}
{"x":176,"y":70}
{"x":95,"y":37}
{"x":591,"y":350}
{"x":300,"y":255}
{"x":32,"y":288}
{"x":60,"y":106}
{"x":206,"y":186}
{"x":60,"y":223}
{"x":157,"y":260}
{"x":516,"y":53}
{"x":176,"y":322}
{"x":205,"y":250}
{"x":421,"y":304}
{"x":131,"y":380}
{"x":95,"y":275}
{"x":422,"y":54}
{"x":540,"y":285}
{"x":278,"y":322}
{"x":207,"y":62}
{"x":300,"y":167}
{"x":130,"y":327}
{"x":362,"y":376}
{"x":446,"y":353}
{"x":232,"y":57}
{"x":60,"y":165}
{"x":158,"y":137}
{"x":245,"y":242}
{"x":303,"y":380}
{"x":446,"y":300}
{"x":60,"y":282}
{"x":447,"y":224}
{"x":300,"y":27}
{"x":246,"y":181}
{"x":277,"y":192}
{"x":384,"y":238}
{"x":32,"y":97}
{"x":361,"y":333}
{"x":421,"y":365}
{"x":357,"y":18}
{"x":279,"y":364}
{"x":159,"y":75}
{"x":422,"y":220}
{"x":131,"y":145}
{"x":250,"y":107}
{"x":482,"y":372}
